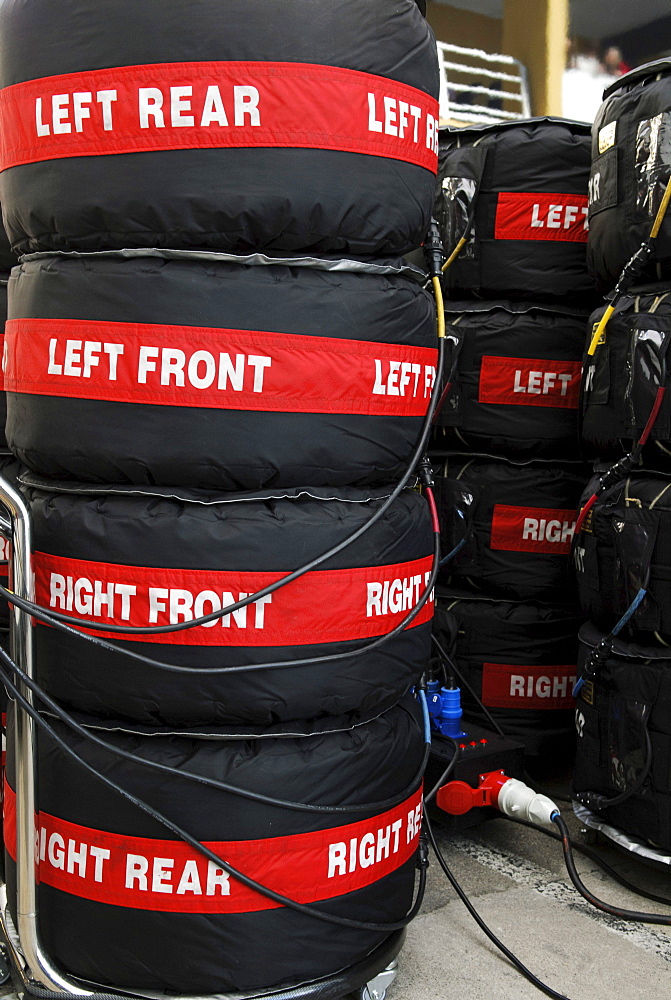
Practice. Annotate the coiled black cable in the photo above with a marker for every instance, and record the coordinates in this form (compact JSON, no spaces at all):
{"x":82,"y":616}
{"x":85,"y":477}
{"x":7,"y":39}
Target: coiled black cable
{"x":593,"y":856}
{"x":614,"y":911}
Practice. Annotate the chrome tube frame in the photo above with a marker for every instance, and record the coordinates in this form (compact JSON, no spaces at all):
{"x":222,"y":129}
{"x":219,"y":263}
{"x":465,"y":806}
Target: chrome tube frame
{"x":42,"y":969}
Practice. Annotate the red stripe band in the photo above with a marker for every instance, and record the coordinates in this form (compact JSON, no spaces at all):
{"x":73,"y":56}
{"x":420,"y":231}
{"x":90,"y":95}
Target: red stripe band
{"x":334,"y":605}
{"x":530,"y":382}
{"x":528,"y":216}
{"x":199,"y":105}
{"x":506,"y":685}
{"x":532,"y":529}
{"x":169,"y":876}
{"x":216,"y":368}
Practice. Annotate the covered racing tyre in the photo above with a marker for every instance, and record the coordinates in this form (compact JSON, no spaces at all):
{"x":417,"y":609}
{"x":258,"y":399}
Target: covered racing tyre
{"x":3,"y":399}
{"x":630,"y":167}
{"x":624,"y":548}
{"x":506,"y":528}
{"x":518,"y":659}
{"x":517,"y":191}
{"x":194,"y":927}
{"x":514,"y":379}
{"x":7,"y":256}
{"x":621,"y":380}
{"x":629,"y":693}
{"x":161,"y":556}
{"x":234,"y":373}
{"x":236,"y":125}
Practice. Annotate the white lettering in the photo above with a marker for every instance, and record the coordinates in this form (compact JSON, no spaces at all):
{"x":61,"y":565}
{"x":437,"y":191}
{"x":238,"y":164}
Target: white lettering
{"x":150,"y":102}
{"x":246,"y":102}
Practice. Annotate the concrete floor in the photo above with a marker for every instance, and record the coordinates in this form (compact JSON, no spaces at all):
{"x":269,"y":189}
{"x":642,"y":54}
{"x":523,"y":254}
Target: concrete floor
{"x":517,"y":880}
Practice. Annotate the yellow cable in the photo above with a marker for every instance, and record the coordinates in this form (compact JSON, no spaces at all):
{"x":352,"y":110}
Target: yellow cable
{"x":440,"y":308}
{"x":599,"y":330}
{"x":661,"y":211}
{"x":654,"y":232}
{"x":455,"y":253}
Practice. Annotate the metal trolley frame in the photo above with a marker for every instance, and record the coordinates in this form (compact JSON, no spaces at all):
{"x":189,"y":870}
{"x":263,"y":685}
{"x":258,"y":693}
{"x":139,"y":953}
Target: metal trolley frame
{"x":35,"y":973}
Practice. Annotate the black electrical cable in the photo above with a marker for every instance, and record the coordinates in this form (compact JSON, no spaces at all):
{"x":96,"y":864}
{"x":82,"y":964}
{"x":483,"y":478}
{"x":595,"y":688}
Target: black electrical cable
{"x":86,"y":734}
{"x":593,"y":856}
{"x":210,"y":855}
{"x":295,"y":574}
{"x":447,"y":772}
{"x":614,"y":911}
{"x":598,"y":802}
{"x":534,"y":980}
{"x":47,"y":617}
{"x":495,"y":726}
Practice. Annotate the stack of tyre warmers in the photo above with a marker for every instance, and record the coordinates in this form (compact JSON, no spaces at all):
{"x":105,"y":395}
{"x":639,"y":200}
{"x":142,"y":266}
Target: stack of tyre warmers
{"x":623,"y":549}
{"x":512,"y":207}
{"x":218,"y":368}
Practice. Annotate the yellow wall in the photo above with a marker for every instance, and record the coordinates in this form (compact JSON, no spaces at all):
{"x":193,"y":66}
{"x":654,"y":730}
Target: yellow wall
{"x":535,"y":33}
{"x":461,"y":27}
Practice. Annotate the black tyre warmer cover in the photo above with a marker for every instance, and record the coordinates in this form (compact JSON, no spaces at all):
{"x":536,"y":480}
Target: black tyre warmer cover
{"x":631,"y":690}
{"x":630,"y":169}
{"x":520,"y":660}
{"x":514,"y":379}
{"x":287,"y":125}
{"x":151,"y":558}
{"x":518,"y":192}
{"x":3,"y":398}
{"x":192,"y":927}
{"x":7,"y":257}
{"x":517,"y":522}
{"x":621,"y":379}
{"x":218,"y":374}
{"x":625,"y":546}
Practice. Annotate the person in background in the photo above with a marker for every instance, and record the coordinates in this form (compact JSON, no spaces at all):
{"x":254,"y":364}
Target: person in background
{"x":613,"y":62}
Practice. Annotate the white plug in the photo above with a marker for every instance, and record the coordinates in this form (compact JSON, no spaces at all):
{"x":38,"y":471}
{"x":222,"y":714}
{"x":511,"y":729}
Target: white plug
{"x":521,"y":802}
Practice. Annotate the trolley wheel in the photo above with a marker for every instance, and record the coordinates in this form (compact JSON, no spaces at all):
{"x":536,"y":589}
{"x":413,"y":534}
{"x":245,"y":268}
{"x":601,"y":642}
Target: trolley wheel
{"x":5,"y":967}
{"x":376,"y":989}
{"x":365,"y":994}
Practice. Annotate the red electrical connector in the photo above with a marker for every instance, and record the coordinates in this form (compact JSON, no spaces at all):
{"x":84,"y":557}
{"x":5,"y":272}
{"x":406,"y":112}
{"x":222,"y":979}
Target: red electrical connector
{"x":457,"y":798}
{"x":495,"y":788}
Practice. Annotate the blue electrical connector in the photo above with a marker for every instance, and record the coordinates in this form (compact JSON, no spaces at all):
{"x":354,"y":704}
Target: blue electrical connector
{"x":445,"y":710}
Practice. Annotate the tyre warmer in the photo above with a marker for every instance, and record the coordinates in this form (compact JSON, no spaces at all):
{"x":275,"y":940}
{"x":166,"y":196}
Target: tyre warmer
{"x":241,"y":110}
{"x":517,"y":192}
{"x":516,"y":523}
{"x":624,"y":548}
{"x":630,"y":691}
{"x":240,"y":375}
{"x":514,"y":379}
{"x":630,"y":168}
{"x":519,"y":659}
{"x":623,"y":377}
{"x":109,"y":874}
{"x":155,"y":557}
